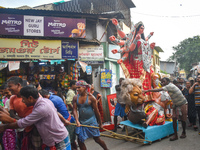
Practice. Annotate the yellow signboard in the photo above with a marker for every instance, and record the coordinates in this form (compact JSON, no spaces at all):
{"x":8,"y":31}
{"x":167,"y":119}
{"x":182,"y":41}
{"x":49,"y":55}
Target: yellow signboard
{"x":30,"y":49}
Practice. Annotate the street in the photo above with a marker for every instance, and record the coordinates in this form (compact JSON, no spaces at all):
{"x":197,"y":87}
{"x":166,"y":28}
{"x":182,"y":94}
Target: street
{"x":191,"y":142}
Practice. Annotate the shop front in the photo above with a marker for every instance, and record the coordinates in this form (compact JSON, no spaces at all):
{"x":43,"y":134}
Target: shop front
{"x":40,"y":49}
{"x":45,"y":61}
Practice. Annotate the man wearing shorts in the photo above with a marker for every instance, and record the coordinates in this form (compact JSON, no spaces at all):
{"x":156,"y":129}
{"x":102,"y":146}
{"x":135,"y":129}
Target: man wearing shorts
{"x":179,"y":105}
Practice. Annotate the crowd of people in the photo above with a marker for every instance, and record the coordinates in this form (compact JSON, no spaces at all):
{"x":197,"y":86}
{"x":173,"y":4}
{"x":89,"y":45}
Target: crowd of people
{"x":37,"y":119}
{"x":186,"y":102}
{"x":185,"y":98}
{"x":33,"y":118}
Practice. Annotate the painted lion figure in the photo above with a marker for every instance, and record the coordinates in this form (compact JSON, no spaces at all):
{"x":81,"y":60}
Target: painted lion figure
{"x":139,"y":111}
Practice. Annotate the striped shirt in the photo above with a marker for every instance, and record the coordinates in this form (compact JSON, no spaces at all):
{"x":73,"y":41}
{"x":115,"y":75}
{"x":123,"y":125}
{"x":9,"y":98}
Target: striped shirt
{"x":176,"y":95}
{"x":197,"y":95}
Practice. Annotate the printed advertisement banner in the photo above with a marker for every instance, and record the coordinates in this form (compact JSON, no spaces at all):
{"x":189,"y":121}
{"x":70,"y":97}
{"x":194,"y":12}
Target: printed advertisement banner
{"x":106,"y":78}
{"x":11,"y":24}
{"x":112,"y":99}
{"x":30,"y":49}
{"x":64,"y":27}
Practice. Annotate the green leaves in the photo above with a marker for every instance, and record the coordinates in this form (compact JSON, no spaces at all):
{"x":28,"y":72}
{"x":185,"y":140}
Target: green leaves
{"x":187,"y":53}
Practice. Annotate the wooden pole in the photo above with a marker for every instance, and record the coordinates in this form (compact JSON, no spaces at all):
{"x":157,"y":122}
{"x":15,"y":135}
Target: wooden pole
{"x":113,"y":133}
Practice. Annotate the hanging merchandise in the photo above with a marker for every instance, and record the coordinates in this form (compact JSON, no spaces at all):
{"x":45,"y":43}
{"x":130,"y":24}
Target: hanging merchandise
{"x":3,"y":65}
{"x":83,"y":65}
{"x":42,"y":69}
{"x":89,"y":70}
{"x":13,"y":65}
{"x":66,"y":81}
{"x":1,"y":78}
{"x":73,"y":75}
{"x":61,"y":78}
{"x":74,"y":72}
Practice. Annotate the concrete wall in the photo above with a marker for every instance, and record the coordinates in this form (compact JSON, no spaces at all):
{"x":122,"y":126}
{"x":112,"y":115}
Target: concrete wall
{"x":168,"y":67}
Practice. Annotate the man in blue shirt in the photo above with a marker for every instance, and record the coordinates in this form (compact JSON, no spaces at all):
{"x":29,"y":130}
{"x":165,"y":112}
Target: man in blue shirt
{"x":62,"y":109}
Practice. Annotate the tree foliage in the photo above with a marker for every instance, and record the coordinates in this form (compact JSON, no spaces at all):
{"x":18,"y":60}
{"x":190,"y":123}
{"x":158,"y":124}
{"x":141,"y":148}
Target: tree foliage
{"x":187,"y":53}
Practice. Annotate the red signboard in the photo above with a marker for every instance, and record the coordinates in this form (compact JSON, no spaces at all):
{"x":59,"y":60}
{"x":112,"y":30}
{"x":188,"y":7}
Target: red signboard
{"x":112,"y":99}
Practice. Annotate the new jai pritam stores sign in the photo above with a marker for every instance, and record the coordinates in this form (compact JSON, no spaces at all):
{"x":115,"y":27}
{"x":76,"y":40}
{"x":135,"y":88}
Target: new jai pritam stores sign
{"x":11,"y":24}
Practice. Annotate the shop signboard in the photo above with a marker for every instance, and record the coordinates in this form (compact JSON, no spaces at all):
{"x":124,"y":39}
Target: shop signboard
{"x":112,"y":100}
{"x":29,"y":49}
{"x":69,"y":49}
{"x":11,"y":24}
{"x":91,"y":53}
{"x":94,"y":62}
{"x":106,"y":78}
{"x":33,"y":26}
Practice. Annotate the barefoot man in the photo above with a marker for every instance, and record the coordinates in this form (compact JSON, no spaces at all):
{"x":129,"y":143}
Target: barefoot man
{"x":179,"y":105}
{"x":86,"y":104}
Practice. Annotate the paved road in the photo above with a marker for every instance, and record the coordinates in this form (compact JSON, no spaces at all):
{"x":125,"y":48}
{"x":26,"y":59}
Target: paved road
{"x":191,"y":142}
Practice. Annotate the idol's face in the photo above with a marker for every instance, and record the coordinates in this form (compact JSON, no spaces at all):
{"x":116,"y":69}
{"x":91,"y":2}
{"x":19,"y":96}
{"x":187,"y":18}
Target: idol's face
{"x":141,"y":30}
{"x":136,"y":95}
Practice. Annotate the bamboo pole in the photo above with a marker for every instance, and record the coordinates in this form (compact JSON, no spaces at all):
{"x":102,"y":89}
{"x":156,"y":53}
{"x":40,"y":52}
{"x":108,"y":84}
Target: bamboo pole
{"x":113,"y":133}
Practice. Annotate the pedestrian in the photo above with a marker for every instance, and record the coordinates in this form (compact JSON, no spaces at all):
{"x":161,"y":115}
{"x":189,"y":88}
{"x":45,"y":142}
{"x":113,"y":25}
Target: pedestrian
{"x":86,"y":104}
{"x":191,"y":106}
{"x":70,"y":94}
{"x":98,"y":97}
{"x":119,"y":108}
{"x":175,"y":82}
{"x":44,"y":116}
{"x":62,"y":109}
{"x":179,"y":105}
{"x":29,"y":137}
{"x":196,"y":89}
{"x":9,"y":135}
{"x":60,"y":94}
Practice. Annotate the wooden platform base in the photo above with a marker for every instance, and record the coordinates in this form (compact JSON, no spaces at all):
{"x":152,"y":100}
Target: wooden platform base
{"x":149,"y":134}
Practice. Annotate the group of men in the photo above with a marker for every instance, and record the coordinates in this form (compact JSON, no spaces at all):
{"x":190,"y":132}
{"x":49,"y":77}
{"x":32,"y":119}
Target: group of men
{"x":179,"y":103}
{"x":48,"y":123}
{"x":46,"y":120}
